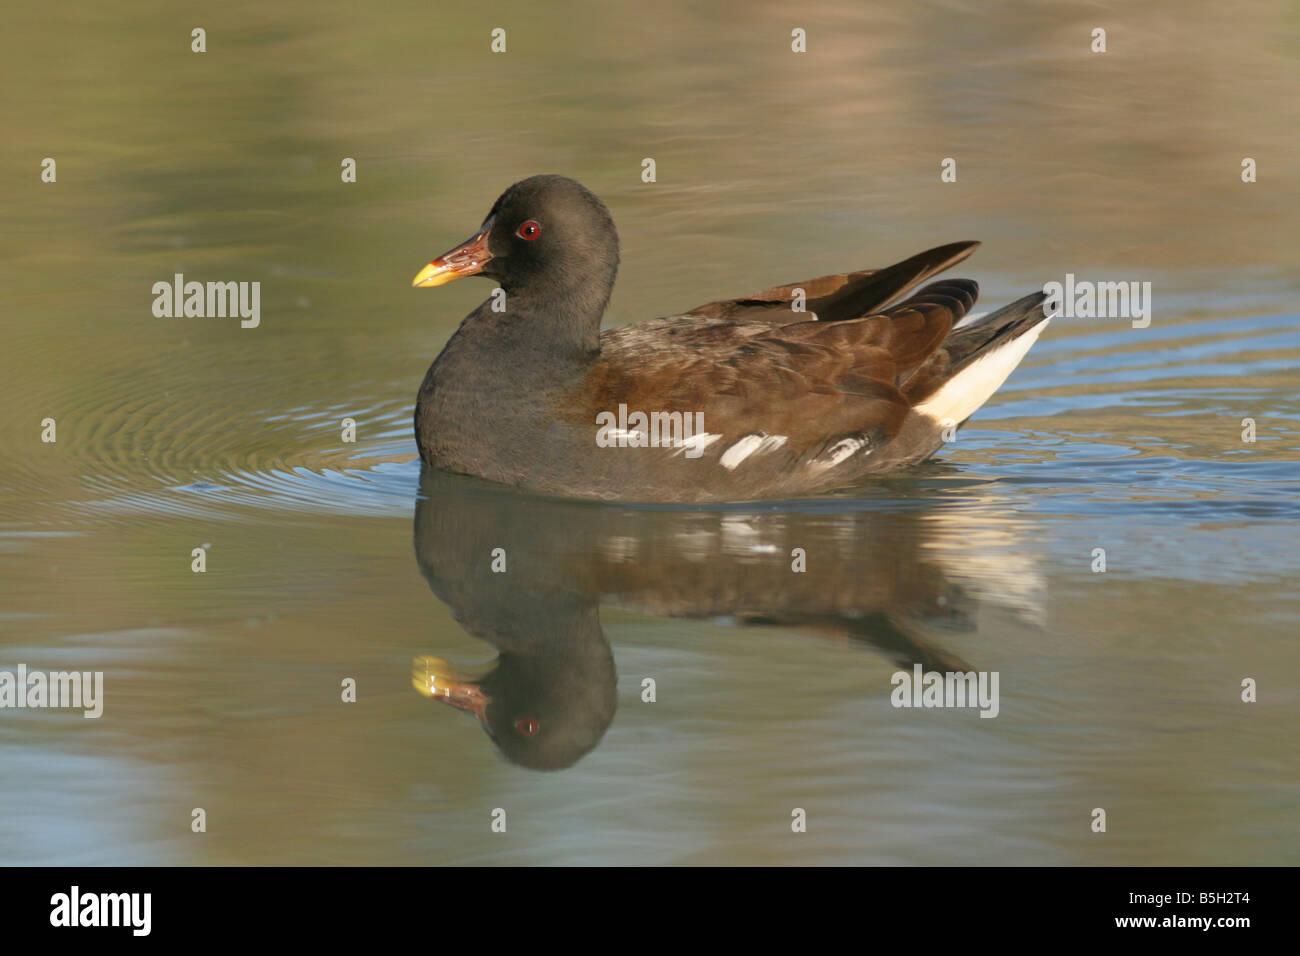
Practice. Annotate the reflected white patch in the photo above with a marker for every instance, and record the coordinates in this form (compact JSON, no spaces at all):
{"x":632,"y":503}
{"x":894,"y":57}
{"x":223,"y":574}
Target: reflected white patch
{"x":749,"y":445}
{"x":1000,"y":563}
{"x":696,"y":546}
{"x":620,"y":549}
{"x":742,"y":535}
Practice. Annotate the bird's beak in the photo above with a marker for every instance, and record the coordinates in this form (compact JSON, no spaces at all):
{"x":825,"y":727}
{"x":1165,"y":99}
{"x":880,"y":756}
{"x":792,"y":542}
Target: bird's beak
{"x":439,"y":680}
{"x":467,"y":259}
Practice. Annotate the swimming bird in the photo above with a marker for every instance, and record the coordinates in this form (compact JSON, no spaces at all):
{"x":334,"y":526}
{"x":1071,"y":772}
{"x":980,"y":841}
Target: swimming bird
{"x":796,"y":390}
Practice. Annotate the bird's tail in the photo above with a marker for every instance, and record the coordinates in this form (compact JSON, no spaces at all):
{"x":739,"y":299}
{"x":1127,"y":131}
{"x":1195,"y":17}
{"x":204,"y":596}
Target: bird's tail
{"x":980,"y":356}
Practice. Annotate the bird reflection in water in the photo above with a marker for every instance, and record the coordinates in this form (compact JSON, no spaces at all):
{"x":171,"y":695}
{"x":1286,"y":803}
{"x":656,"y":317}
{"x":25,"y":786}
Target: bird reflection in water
{"x":879,"y":574}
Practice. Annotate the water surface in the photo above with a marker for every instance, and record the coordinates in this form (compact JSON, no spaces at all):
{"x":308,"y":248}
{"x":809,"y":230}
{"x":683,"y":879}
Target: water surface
{"x":329,"y":560}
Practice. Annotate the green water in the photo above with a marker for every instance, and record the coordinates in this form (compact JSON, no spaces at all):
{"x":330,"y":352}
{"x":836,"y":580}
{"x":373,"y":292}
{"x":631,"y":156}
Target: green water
{"x":329,"y":560}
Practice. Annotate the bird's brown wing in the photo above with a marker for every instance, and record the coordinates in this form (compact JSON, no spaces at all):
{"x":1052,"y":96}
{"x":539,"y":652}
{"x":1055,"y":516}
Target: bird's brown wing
{"x":811,"y":382}
{"x":843,"y":296}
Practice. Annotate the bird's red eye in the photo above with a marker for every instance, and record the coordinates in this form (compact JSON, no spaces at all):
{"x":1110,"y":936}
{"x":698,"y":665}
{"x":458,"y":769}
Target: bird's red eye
{"x":529,"y":230}
{"x":527,"y":726}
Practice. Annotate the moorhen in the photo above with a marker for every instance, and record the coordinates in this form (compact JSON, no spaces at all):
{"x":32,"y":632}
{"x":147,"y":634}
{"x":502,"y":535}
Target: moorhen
{"x":736,"y":400}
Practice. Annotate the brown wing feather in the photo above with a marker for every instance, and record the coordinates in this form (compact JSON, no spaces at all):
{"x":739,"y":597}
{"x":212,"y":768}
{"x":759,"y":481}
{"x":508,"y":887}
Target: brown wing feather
{"x":812,"y":381}
{"x":851,"y":295}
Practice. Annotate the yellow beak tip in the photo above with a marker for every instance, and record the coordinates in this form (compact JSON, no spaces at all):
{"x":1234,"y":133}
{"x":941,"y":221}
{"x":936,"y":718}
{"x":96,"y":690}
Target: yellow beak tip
{"x":429,"y":276}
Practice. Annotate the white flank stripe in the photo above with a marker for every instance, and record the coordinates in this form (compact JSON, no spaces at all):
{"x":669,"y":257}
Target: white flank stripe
{"x":749,"y":445}
{"x":841,"y":451}
{"x":695,"y":441}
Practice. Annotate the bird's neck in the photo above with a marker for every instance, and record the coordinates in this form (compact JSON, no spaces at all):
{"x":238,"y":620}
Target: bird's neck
{"x":521,"y":343}
{"x":493,"y":375}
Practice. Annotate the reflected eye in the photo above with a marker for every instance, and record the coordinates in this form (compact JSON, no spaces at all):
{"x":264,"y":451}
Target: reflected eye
{"x":526,"y":726}
{"x":529,"y":230}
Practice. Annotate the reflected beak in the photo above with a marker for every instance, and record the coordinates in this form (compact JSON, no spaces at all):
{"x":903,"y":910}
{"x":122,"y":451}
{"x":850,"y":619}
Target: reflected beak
{"x":467,"y":259}
{"x":439,"y":680}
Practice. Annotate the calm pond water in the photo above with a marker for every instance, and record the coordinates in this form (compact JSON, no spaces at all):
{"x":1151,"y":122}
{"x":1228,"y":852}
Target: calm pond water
{"x":329,"y":560}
